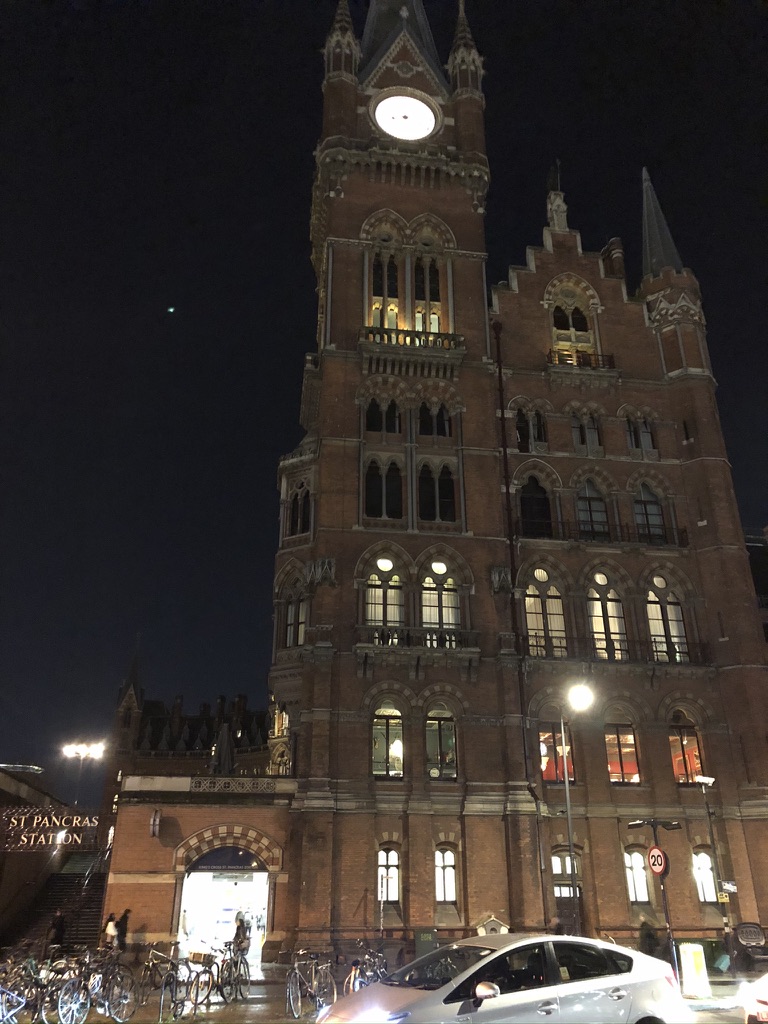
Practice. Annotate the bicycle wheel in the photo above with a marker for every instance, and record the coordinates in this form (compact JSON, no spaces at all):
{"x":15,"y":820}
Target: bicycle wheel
{"x":74,"y":1001}
{"x":121,"y":995}
{"x":184,"y":978}
{"x":49,"y":1007}
{"x":201,"y":987}
{"x":325,"y":988}
{"x":228,"y":980}
{"x":293,"y":993}
{"x":243,"y":979}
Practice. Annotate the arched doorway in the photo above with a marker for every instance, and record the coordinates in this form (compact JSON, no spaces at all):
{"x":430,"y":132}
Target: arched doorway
{"x":219,"y":885}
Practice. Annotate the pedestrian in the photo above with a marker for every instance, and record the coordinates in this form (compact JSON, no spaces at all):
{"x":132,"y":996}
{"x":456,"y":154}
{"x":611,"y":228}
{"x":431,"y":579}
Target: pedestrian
{"x":241,"y":941}
{"x":110,"y":931}
{"x":122,"y":930}
{"x":56,"y":929}
{"x":648,"y":941}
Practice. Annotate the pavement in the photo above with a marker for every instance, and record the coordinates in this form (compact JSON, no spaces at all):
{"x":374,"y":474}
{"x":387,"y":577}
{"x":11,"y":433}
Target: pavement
{"x":267,"y":1002}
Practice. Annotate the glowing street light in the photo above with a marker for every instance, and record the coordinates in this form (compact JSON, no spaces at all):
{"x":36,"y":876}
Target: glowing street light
{"x":94,"y":751}
{"x":705,"y":782}
{"x":579,"y":698}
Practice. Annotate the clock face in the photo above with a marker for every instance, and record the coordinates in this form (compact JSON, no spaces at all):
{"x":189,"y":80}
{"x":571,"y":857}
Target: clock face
{"x":405,"y":117}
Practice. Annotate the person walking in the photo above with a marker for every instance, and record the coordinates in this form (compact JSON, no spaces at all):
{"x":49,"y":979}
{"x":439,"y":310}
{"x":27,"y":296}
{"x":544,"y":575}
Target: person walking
{"x":56,"y":929}
{"x":648,"y":940}
{"x":122,"y":930}
{"x":110,"y":931}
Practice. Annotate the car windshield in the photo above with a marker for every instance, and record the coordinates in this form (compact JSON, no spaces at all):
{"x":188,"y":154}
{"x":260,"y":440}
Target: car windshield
{"x":439,"y":967}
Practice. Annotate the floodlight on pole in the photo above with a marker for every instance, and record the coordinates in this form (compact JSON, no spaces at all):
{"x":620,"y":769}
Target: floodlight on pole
{"x":579,"y":697}
{"x":94,"y":751}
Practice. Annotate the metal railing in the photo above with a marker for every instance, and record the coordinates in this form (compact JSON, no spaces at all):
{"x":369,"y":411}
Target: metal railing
{"x":428,"y":637}
{"x":602,"y":533}
{"x":402,"y":337}
{"x":677,"y":652}
{"x":581,"y":360}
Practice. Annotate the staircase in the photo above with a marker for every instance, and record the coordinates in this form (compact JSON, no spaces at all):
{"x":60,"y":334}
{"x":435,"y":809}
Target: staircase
{"x":77,"y":890}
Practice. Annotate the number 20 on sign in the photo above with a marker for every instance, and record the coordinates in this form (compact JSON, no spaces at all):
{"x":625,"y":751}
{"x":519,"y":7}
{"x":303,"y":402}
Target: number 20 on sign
{"x":657,"y":860}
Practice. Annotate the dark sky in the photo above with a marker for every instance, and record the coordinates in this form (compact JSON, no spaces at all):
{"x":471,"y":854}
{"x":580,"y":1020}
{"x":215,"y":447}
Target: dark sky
{"x":158,"y":153}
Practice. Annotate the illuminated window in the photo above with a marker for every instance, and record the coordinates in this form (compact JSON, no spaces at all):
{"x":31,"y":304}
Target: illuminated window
{"x":384,"y":603}
{"x":561,"y":874}
{"x":384,"y":303}
{"x":551,"y":752}
{"x":544,"y":618}
{"x":388,"y":876}
{"x":606,"y":620}
{"x":637,"y":878}
{"x":440,"y":607}
{"x":445,"y":876}
{"x":621,"y":750}
{"x":665,"y":623}
{"x":684,"y":748}
{"x":387,"y":745}
{"x":440,"y":742}
{"x":427,"y":295}
{"x":703,"y":873}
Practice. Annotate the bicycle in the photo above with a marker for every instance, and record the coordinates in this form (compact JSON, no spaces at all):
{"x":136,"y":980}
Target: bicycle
{"x":155,"y":968}
{"x":234,"y":974}
{"x":10,"y":1004}
{"x":372,"y":967}
{"x":101,"y":979}
{"x":317,"y":984}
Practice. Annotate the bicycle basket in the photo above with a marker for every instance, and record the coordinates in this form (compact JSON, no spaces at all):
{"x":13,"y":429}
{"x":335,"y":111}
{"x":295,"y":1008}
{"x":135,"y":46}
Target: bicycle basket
{"x":206,"y":959}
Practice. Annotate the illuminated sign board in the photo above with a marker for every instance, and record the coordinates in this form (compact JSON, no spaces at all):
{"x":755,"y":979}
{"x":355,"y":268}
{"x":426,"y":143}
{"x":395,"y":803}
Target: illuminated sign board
{"x":31,"y":828}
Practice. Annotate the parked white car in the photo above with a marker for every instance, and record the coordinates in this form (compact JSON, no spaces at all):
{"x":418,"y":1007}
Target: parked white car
{"x":515,"y":978}
{"x":754,"y":997}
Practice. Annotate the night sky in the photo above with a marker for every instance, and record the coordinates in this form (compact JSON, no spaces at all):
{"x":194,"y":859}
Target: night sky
{"x":157,"y":155}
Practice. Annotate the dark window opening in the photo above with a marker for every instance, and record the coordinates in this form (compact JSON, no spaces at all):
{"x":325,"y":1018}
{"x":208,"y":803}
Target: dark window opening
{"x":535,"y":514}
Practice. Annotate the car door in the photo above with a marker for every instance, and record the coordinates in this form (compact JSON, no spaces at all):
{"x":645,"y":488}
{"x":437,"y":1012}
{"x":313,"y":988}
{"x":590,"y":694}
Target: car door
{"x":526,"y":984}
{"x":591,"y":990}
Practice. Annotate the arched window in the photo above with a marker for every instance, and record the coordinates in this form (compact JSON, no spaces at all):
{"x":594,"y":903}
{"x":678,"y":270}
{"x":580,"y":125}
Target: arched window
{"x":551,"y":752}
{"x":560,"y":319}
{"x":606,"y":620}
{"x":383,"y":492}
{"x":387,"y":741}
{"x":300,"y":511}
{"x":578,"y":320}
{"x":703,"y":873}
{"x":434,"y":424}
{"x":437,"y":495}
{"x":621,"y":751}
{"x":296,"y":608}
{"x":440,"y":617}
{"x":637,"y":878}
{"x":544,"y":618}
{"x":665,"y":623}
{"x":392,"y":419}
{"x":585,"y":431}
{"x":426,"y":294}
{"x":535,"y":514}
{"x":445,"y":875}
{"x":566,"y":901}
{"x":684,"y":748}
{"x":441,"y":742}
{"x":640,"y":435}
{"x":388,"y":876}
{"x":649,"y":517}
{"x":384,"y":604}
{"x":373,"y":418}
{"x":592,"y":513}
{"x":384,"y":287}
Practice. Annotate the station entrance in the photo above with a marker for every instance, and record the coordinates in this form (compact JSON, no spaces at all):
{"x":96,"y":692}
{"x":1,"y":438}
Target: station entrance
{"x":218,"y":886}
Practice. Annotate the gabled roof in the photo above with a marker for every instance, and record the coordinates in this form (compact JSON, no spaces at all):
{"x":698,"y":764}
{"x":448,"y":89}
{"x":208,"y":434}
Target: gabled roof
{"x":386,"y":20}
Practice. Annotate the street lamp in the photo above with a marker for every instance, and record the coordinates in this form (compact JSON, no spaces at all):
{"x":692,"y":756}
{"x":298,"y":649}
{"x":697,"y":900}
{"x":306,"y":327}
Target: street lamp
{"x":705,"y":781}
{"x":669,"y":826}
{"x":579,"y":698}
{"x":95,"y":751}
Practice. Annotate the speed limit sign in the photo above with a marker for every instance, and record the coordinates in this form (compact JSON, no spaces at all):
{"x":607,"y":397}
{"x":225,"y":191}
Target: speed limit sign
{"x":657,"y":860}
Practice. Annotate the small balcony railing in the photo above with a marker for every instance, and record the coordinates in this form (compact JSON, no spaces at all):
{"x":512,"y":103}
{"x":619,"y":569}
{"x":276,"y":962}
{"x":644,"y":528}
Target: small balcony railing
{"x":427,"y":637}
{"x":676,"y":652}
{"x":602,"y":533}
{"x":581,"y":360}
{"x":403,"y":338}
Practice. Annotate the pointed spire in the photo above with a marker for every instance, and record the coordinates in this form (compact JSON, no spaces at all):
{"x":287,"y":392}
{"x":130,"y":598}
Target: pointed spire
{"x":659,"y":250}
{"x":464,"y":63}
{"x":342,"y":50}
{"x":386,"y":20}
{"x":130,"y":687}
{"x":342,"y":23}
{"x":463,"y":36}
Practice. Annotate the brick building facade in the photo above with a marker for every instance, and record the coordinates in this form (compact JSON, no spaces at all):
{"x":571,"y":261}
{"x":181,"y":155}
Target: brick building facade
{"x":500,"y":493}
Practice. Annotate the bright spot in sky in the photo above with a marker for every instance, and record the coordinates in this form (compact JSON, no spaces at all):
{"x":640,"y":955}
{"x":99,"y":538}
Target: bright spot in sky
{"x":171,"y":309}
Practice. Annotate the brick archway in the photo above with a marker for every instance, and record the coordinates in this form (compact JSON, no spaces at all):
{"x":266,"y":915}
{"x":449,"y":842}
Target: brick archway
{"x":266,"y":849}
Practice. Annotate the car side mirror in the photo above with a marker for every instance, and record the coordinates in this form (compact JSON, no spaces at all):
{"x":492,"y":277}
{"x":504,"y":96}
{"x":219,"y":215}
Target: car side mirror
{"x":487,"y":990}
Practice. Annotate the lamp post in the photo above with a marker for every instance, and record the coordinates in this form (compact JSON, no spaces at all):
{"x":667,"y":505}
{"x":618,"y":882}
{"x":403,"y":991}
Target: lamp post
{"x":670,"y":826}
{"x":705,"y":781}
{"x":95,"y":751}
{"x":579,"y":698}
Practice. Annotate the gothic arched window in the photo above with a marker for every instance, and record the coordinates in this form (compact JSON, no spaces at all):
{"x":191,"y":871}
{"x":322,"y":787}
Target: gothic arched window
{"x":592,"y":513}
{"x":606,"y":620}
{"x":544,"y":618}
{"x":535,"y":514}
{"x":383,"y":492}
{"x":387,"y":741}
{"x":704,"y":874}
{"x":373,"y":418}
{"x":440,"y":613}
{"x":665,"y":623}
{"x":299,"y":515}
{"x":649,"y":517}
{"x":637,"y":876}
{"x":384,"y":603}
{"x":388,"y":875}
{"x":445,"y":875}
{"x":684,"y":748}
{"x":440,"y":742}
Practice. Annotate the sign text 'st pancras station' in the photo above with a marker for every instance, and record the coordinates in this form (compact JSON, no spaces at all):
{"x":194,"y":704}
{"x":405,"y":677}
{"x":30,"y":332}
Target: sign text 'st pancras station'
{"x":29,"y":828}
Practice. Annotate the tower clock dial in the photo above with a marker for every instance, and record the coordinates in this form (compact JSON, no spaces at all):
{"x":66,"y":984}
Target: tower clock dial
{"x":404,"y":116}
